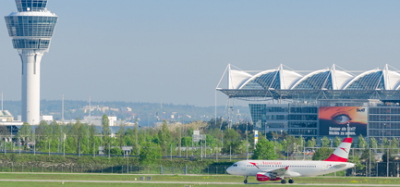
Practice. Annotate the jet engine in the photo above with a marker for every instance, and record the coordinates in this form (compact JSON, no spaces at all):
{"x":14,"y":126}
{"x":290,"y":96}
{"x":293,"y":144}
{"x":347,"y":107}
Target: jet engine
{"x":262,"y":176}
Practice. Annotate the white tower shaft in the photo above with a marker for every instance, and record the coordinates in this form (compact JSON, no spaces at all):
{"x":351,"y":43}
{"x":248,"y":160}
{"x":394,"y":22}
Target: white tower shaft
{"x":31,"y":28}
{"x":30,"y":98}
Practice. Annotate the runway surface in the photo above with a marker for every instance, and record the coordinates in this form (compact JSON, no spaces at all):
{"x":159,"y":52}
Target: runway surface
{"x":180,"y":182}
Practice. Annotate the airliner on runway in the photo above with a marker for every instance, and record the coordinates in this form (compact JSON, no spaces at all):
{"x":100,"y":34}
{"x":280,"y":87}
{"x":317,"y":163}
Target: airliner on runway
{"x":274,"y":170}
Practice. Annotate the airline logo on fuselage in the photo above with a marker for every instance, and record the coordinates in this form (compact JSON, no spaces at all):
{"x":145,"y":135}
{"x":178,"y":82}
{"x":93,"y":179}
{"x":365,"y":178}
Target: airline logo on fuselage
{"x":266,"y":163}
{"x":271,"y":163}
{"x":254,"y":164}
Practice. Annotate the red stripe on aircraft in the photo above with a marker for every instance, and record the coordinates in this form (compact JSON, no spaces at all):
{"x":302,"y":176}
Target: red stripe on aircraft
{"x":334,"y":158}
{"x":347,"y":140}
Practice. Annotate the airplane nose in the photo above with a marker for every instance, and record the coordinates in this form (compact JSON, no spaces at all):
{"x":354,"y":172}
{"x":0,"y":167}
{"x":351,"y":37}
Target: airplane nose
{"x":229,"y":170}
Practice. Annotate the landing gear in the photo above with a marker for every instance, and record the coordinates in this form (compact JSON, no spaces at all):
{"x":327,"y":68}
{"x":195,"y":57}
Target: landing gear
{"x":291,"y":181}
{"x":245,"y":179}
{"x":283,"y":181}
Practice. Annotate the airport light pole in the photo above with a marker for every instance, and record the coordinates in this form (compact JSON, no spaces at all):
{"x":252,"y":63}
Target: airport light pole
{"x":230,"y":153}
{"x":384,"y":125}
{"x":304,"y":147}
{"x":62,"y":107}
{"x":201,"y":150}
{"x":387,"y":159}
{"x":145,"y":138}
{"x":64,"y":147}
{"x":90,"y":105}
{"x":370,"y":162}
{"x":247,"y":155}
{"x":58,"y":145}
{"x":19,"y":142}
{"x":274,"y":137}
{"x":144,"y":131}
{"x":136,"y":134}
{"x":34,"y":140}
{"x":183,"y":124}
{"x":265,"y":130}
{"x":49,"y":147}
{"x":205,"y":146}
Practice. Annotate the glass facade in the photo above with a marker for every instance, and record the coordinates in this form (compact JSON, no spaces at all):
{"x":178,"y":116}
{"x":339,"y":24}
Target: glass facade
{"x":293,"y":119}
{"x":31,"y":5}
{"x":316,"y":82}
{"x":31,"y":43}
{"x":384,"y":121}
{"x":269,"y":118}
{"x":302,"y":119}
{"x":40,"y":26}
{"x":371,"y":81}
{"x":265,"y":81}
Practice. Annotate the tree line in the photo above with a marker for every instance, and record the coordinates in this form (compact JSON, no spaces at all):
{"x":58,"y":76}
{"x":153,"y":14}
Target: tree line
{"x":150,"y":144}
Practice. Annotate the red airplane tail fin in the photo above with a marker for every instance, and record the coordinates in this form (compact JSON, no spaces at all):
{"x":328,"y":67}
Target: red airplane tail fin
{"x":341,"y":154}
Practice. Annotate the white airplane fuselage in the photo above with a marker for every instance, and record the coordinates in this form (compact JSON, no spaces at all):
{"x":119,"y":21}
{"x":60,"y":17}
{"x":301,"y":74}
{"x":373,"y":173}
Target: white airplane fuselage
{"x":296,"y":168}
{"x":273,"y":170}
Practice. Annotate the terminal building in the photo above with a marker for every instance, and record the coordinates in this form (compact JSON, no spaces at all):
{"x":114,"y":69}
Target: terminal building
{"x":320,"y":103}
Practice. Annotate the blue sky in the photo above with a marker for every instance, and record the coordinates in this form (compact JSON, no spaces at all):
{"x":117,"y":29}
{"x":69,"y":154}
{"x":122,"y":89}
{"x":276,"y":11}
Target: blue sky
{"x":175,"y":51}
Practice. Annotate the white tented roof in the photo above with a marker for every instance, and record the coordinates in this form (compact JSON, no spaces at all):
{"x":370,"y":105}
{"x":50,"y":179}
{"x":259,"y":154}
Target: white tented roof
{"x":392,"y":79}
{"x":324,"y":79}
{"x":278,"y":78}
{"x":288,"y":78}
{"x":314,"y":80}
{"x":340,"y":79}
{"x":236,"y":78}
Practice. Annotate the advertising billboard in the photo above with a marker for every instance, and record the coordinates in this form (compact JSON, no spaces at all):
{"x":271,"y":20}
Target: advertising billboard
{"x":333,"y":121}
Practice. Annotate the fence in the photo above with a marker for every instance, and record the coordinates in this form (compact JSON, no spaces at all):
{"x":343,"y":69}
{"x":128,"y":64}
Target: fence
{"x":224,"y":157}
{"x":117,"y":169}
{"x":372,"y":163}
{"x":379,"y":169}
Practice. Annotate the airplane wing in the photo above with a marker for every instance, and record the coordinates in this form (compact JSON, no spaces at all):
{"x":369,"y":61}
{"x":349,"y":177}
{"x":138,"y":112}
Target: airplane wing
{"x":283,"y":172}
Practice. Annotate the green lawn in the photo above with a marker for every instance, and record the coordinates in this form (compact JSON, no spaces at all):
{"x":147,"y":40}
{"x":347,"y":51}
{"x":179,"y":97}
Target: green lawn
{"x":183,"y":178}
{"x":51,"y":184}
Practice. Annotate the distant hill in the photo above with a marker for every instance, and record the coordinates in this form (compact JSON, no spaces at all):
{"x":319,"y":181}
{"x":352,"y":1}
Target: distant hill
{"x":143,"y":111}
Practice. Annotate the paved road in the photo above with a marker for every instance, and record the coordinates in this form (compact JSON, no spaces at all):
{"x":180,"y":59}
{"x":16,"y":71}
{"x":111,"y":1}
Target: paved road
{"x":180,"y":182}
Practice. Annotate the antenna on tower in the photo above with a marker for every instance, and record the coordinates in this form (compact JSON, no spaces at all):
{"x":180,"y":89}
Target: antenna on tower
{"x":62,"y":110}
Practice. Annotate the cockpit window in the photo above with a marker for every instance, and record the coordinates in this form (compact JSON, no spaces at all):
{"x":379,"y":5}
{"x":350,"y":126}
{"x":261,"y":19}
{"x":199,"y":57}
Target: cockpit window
{"x":234,"y":165}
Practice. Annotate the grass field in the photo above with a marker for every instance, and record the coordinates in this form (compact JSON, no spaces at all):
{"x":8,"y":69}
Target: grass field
{"x":39,"y":184}
{"x":174,"y":178}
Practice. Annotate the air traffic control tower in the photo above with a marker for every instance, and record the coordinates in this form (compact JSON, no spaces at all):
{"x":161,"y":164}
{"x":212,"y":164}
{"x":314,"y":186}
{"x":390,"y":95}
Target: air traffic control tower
{"x":31,"y":28}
